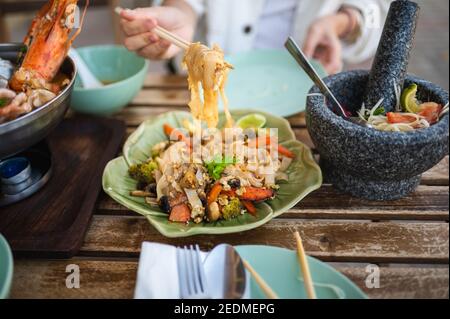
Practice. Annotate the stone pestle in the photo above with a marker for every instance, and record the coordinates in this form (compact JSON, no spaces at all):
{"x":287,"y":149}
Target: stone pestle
{"x":391,"y":60}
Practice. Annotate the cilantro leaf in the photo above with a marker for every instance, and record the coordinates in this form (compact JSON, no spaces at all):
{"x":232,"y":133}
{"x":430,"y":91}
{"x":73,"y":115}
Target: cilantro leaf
{"x":218,"y":165}
{"x":380,"y":111}
{"x":3,"y":102}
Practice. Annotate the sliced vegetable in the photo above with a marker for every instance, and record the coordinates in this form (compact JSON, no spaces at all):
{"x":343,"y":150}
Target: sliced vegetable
{"x":281,"y":149}
{"x":232,"y":210}
{"x":217,"y":166}
{"x":196,"y":204}
{"x":250,"y":207}
{"x":172,"y":132}
{"x":164,"y":204}
{"x":251,"y":121}
{"x":285,"y":152}
{"x":254,"y":194}
{"x":230,"y":193}
{"x":379,"y":111}
{"x":431,"y":112}
{"x":396,"y":118}
{"x":213,"y":212}
{"x":213,"y":195}
{"x":3,"y":102}
{"x":143,"y":173}
{"x":179,"y":198}
{"x":408,"y":99}
{"x":180,"y":214}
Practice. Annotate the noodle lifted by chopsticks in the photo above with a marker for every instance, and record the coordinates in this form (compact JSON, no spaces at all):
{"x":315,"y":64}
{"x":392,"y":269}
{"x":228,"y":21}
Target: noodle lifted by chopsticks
{"x":207,"y":67}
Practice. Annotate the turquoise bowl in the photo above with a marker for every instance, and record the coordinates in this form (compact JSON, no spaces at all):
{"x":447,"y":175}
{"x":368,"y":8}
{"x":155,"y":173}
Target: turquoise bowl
{"x":123,"y":73}
{"x":6,"y":268}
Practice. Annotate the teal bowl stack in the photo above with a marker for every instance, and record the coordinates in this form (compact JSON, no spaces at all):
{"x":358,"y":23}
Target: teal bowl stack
{"x":123,"y":73}
{"x":6,"y":268}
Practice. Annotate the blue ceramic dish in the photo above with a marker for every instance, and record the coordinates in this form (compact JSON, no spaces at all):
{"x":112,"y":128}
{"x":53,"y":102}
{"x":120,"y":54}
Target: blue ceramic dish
{"x":123,"y":73}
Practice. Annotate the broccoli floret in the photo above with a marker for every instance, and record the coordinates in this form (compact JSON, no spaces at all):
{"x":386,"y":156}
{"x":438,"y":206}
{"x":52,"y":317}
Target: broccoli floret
{"x":143,"y":173}
{"x":232,"y":210}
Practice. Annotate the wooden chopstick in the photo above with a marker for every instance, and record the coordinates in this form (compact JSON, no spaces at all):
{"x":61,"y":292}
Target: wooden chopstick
{"x":304,"y":266}
{"x":173,"y":38}
{"x":261,"y":283}
{"x":164,"y":34}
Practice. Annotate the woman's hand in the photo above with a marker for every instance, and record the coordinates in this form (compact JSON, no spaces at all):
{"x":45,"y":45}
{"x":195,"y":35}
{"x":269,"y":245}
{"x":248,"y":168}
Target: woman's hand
{"x":323,"y":41}
{"x":138,"y":25}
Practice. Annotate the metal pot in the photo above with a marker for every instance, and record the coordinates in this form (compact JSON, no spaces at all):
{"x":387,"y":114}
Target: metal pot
{"x":29,"y":129}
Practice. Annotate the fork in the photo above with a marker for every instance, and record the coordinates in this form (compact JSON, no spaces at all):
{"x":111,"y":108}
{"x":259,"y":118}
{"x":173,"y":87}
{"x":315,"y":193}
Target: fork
{"x":191,"y":273}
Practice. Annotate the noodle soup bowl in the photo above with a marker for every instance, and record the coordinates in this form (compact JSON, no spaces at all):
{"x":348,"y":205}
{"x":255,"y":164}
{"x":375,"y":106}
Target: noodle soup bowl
{"x":365,"y":162}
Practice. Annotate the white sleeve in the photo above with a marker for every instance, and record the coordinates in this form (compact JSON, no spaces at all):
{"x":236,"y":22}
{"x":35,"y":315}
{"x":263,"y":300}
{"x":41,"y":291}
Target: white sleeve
{"x":374,"y":14}
{"x":198,"y":6}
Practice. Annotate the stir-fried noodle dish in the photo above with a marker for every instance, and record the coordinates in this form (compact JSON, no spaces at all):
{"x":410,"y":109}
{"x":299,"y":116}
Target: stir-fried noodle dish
{"x":206,"y":174}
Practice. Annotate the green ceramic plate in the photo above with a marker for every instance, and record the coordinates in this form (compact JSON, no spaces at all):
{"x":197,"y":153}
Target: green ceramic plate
{"x":304,"y":177}
{"x":270,"y":81}
{"x":6,"y":268}
{"x":279,"y":268}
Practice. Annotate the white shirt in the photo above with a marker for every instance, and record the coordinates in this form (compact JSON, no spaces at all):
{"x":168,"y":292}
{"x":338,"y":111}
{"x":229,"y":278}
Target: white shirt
{"x":275,"y":24}
{"x":225,"y":22}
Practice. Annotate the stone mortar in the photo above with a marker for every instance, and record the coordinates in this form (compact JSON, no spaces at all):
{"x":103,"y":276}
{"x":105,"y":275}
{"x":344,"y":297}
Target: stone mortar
{"x":368,"y":163}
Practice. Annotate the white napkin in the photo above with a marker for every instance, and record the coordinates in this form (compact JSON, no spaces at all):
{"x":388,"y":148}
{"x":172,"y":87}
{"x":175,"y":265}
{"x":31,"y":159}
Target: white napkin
{"x":157,"y":276}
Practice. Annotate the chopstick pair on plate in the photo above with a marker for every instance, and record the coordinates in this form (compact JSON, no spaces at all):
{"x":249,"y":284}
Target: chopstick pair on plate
{"x":304,"y":267}
{"x":164,"y":34}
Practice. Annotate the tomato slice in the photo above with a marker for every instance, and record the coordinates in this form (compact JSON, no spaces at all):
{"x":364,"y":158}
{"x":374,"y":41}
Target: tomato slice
{"x":430,"y":111}
{"x":396,"y":118}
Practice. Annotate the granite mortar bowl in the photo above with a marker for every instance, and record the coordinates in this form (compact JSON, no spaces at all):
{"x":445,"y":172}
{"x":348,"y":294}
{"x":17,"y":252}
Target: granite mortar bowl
{"x":368,"y":163}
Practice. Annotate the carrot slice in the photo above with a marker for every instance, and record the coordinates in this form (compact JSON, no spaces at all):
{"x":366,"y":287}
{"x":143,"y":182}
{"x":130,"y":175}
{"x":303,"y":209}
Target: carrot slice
{"x":285,"y":152}
{"x":230,"y":193}
{"x":180,"y":214}
{"x":170,"y":132}
{"x":254,"y":194}
{"x":281,"y":149}
{"x":214,"y":193}
{"x":250,"y":207}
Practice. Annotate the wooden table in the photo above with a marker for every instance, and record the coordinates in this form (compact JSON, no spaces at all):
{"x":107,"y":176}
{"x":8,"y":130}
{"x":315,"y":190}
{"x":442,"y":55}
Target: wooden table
{"x":408,"y":238}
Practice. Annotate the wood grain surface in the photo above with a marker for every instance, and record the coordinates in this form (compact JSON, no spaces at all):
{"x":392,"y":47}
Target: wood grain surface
{"x":408,"y":238}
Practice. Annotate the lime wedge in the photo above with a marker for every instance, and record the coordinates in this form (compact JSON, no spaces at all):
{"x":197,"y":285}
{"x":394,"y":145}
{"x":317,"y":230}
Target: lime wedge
{"x":251,"y":121}
{"x":409,"y":101}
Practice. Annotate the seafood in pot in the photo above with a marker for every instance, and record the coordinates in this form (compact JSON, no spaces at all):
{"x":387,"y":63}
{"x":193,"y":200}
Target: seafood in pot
{"x":6,"y":70}
{"x":37,"y":80}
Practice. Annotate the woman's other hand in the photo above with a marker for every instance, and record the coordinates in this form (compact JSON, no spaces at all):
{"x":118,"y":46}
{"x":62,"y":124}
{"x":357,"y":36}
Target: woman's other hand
{"x":323,"y":40}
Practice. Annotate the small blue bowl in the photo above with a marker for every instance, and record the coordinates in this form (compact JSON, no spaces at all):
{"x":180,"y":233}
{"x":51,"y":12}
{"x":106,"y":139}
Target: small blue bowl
{"x":15,"y":175}
{"x":123,"y":73}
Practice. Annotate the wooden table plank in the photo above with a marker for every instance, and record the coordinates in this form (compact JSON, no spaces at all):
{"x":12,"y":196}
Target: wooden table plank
{"x":427,"y":203}
{"x":162,"y":81}
{"x":112,"y":208}
{"x":328,"y":240}
{"x":114,"y":279}
{"x":168,"y":97}
{"x":424,"y":198}
{"x":136,"y":114}
{"x":323,"y":218}
{"x":438,"y":175}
